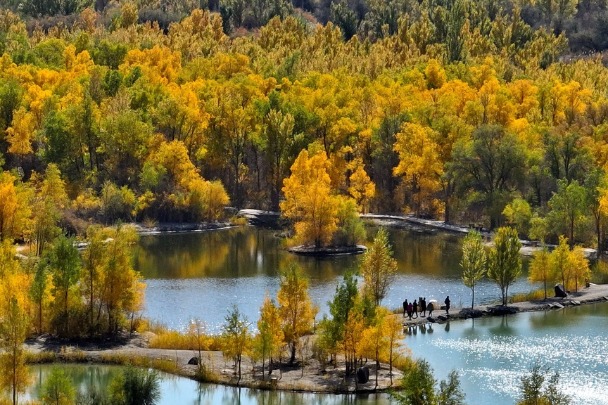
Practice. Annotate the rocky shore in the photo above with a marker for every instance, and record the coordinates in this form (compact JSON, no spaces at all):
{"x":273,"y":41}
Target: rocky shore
{"x":589,"y":295}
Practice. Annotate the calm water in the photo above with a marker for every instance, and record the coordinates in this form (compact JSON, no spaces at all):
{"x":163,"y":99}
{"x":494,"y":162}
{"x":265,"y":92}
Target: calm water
{"x":182,"y":391}
{"x":201,"y":275}
{"x":491,"y":354}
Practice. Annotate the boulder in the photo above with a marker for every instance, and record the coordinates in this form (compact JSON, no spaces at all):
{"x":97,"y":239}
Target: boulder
{"x":560,"y":292}
{"x":442,"y":318}
{"x":193,"y":361}
{"x":556,"y":305}
{"x":362,"y":375}
{"x":502,"y":310}
{"x":471,"y":313}
{"x":431,"y":319}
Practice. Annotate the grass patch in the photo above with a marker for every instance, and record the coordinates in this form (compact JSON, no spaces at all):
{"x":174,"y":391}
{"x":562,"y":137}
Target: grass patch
{"x":535,"y":295}
{"x":170,"y":339}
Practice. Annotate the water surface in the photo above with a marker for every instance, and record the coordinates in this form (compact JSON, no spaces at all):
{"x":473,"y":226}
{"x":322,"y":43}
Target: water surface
{"x":202,"y":274}
{"x":183,"y":391}
{"x":492,"y":354}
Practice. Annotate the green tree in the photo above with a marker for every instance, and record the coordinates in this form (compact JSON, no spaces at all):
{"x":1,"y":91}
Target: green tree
{"x":473,"y":262}
{"x":419,"y":387}
{"x":492,"y":163}
{"x":135,"y":387}
{"x":378,"y":267}
{"x":38,"y":291}
{"x":58,"y":389}
{"x":534,"y":391}
{"x":504,"y":261}
{"x":567,"y":208}
{"x":49,"y":202}
{"x":64,"y":263}
{"x":14,"y":326}
{"x":236,"y":338}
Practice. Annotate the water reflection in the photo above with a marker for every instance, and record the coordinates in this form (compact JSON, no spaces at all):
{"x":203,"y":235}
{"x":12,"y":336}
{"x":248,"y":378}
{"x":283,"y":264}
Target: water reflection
{"x":202,"y":274}
{"x":179,"y":390}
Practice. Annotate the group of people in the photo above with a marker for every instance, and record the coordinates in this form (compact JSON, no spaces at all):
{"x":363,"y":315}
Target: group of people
{"x":420,"y":306}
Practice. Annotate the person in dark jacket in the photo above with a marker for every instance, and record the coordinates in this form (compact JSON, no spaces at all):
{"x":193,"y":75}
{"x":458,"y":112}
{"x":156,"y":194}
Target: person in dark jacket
{"x":415,"y":305}
{"x":423,"y":306}
{"x":447,"y":305}
{"x":404,"y":307}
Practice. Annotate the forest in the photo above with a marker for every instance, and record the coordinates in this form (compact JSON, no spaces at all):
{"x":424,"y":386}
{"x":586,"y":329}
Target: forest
{"x":486,"y":123}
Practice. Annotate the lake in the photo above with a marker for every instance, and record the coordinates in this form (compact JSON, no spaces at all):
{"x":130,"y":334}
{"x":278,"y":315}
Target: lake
{"x":202,"y":274}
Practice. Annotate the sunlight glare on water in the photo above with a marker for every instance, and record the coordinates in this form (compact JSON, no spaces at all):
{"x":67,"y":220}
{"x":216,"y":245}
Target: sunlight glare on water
{"x":492,"y":354}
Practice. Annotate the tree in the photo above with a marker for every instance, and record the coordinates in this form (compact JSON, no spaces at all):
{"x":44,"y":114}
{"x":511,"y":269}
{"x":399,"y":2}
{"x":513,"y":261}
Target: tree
{"x":534,"y":392}
{"x":48,"y":204}
{"x":15,"y":209}
{"x":378,"y":267}
{"x":39,"y":291}
{"x":419,"y":387}
{"x":270,"y":337}
{"x":473,"y":262}
{"x":393,"y":327}
{"x":58,"y":389}
{"x":492,"y":163}
{"x":560,"y":261}
{"x":14,"y":327}
{"x":122,"y":288}
{"x":540,"y":269}
{"x":295,"y":307}
{"x":567,"y":208}
{"x":309,"y":201}
{"x":518,"y":213}
{"x":235,"y":337}
{"x":135,"y":387}
{"x":64,"y":263}
{"x":580,"y":267}
{"x":504,"y":264}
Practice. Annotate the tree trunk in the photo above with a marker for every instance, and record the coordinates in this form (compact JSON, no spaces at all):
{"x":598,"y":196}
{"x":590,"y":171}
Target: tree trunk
{"x":292,"y":359}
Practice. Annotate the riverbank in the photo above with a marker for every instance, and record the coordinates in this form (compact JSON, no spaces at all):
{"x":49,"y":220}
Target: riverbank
{"x":593,"y":294}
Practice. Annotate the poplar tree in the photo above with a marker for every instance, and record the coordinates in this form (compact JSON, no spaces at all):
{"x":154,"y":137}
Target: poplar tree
{"x":378,"y":268}
{"x":504,"y":264}
{"x":473,"y":262}
{"x":14,"y":375}
{"x":295,"y":307}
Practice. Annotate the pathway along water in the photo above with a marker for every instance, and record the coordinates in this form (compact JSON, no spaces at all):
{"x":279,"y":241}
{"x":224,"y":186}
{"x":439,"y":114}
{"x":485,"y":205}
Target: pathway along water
{"x":200,"y":275}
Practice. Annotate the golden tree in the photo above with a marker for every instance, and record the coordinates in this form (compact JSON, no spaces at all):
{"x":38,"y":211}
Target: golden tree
{"x":309,"y":201}
{"x":295,"y":308}
{"x":13,"y":331}
{"x":270,"y":336}
{"x":540,"y":268}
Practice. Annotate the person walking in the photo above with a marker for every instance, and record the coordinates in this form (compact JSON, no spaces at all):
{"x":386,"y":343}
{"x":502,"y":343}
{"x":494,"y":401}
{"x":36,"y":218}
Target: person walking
{"x":447,"y":305}
{"x":415,"y":305}
{"x":431,"y":306}
{"x":410,"y":308}
{"x":404,"y":307}
{"x":423,"y":306}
